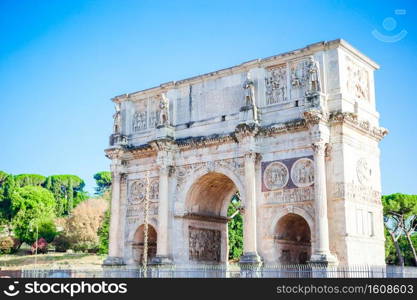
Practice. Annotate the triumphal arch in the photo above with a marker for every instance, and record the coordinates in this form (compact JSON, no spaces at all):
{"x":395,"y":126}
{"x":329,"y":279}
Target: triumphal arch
{"x":296,"y":134}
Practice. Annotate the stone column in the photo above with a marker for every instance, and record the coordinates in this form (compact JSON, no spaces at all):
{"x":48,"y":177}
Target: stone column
{"x":162,"y":251}
{"x":115,"y":257}
{"x":321,"y":252}
{"x":164,"y":160}
{"x":250,"y":254}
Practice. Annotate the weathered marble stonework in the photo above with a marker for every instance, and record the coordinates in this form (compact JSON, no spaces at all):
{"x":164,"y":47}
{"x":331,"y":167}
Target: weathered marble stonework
{"x":296,"y":134}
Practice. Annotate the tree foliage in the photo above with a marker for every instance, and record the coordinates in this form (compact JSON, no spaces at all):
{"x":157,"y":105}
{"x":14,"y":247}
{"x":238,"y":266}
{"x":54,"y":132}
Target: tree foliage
{"x":68,"y":191}
{"x":235,"y":229}
{"x":33,"y":213}
{"x":7,"y":186}
{"x":103,"y":182}
{"x":103,"y":234}
{"x":400,"y":217}
{"x":22,"y":180}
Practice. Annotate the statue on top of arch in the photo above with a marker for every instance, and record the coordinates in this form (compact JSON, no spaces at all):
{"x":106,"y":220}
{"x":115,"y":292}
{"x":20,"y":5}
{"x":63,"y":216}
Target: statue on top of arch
{"x":164,"y":111}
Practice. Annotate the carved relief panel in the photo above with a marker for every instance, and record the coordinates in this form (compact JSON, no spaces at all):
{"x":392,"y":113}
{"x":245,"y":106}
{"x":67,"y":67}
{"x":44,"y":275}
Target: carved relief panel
{"x":288,"y":180}
{"x":146,"y":114}
{"x":357,"y":80}
{"x":363,"y":171}
{"x":204,"y":244}
{"x":136,"y":197}
{"x":276,"y":85}
{"x":305,"y":78}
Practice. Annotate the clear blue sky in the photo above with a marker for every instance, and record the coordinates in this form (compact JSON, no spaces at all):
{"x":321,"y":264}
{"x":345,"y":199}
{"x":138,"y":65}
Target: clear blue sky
{"x":61,"y":62}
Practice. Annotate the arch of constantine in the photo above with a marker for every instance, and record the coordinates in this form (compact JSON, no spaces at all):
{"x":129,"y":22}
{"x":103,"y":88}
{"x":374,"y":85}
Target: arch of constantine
{"x":296,"y":134}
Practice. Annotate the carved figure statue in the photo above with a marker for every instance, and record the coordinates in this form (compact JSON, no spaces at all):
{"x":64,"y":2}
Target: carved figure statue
{"x":249,"y":92}
{"x":117,"y":119}
{"x":313,"y":76}
{"x":164,"y":110}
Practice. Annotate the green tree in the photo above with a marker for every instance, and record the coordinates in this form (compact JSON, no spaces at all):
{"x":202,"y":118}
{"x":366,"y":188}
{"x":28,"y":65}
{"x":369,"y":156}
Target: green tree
{"x":103,"y":234}
{"x":103,"y":182}
{"x":235,"y":228}
{"x":7,"y":186}
{"x":29,"y":179}
{"x":68,"y":191}
{"x":33,"y":212}
{"x":400,"y":211}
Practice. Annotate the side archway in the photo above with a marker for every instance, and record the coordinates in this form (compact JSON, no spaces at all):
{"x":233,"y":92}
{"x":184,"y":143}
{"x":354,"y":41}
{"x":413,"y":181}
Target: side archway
{"x":293,"y":239}
{"x":138,"y":243}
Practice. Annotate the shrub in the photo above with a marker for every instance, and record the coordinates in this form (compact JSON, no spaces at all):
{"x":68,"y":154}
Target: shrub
{"x":6,"y":245}
{"x":47,"y":230}
{"x":85,"y":247}
{"x":16,"y":244}
{"x":82,"y":226}
{"x":9,"y":244}
{"x":61,"y":243}
{"x":42,"y":246}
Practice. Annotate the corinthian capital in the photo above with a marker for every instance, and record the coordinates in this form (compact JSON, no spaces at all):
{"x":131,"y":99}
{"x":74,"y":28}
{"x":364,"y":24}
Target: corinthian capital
{"x":252,"y":156}
{"x":319,"y":147}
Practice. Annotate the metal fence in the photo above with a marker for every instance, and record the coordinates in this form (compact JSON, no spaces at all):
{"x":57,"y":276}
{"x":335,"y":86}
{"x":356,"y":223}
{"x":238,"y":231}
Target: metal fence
{"x":221,"y":271}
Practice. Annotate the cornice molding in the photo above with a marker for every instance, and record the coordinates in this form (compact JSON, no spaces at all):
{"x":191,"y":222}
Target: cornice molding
{"x":363,"y":126}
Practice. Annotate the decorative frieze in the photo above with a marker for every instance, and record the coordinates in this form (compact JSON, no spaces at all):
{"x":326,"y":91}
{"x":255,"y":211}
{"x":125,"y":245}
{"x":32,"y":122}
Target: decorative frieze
{"x":364,"y":126}
{"x":287,"y":196}
{"x":355,"y":192}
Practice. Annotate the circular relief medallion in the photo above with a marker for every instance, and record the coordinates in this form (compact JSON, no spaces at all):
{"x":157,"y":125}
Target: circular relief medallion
{"x":276,"y":176}
{"x":363,"y":171}
{"x":302,"y":172}
{"x":137,"y":191}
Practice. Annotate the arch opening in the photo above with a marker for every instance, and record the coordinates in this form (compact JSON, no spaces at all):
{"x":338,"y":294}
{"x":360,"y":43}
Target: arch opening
{"x":293,"y":239}
{"x":138,"y":243}
{"x":207,"y":204}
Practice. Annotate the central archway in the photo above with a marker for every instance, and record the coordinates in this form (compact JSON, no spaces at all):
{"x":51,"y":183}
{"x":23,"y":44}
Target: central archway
{"x":206,"y":207}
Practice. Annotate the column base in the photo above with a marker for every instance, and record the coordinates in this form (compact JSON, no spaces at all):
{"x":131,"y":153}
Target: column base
{"x":250,"y":265}
{"x":250,"y":258}
{"x":323,"y":259}
{"x":160,"y":260}
{"x":113,"y":261}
